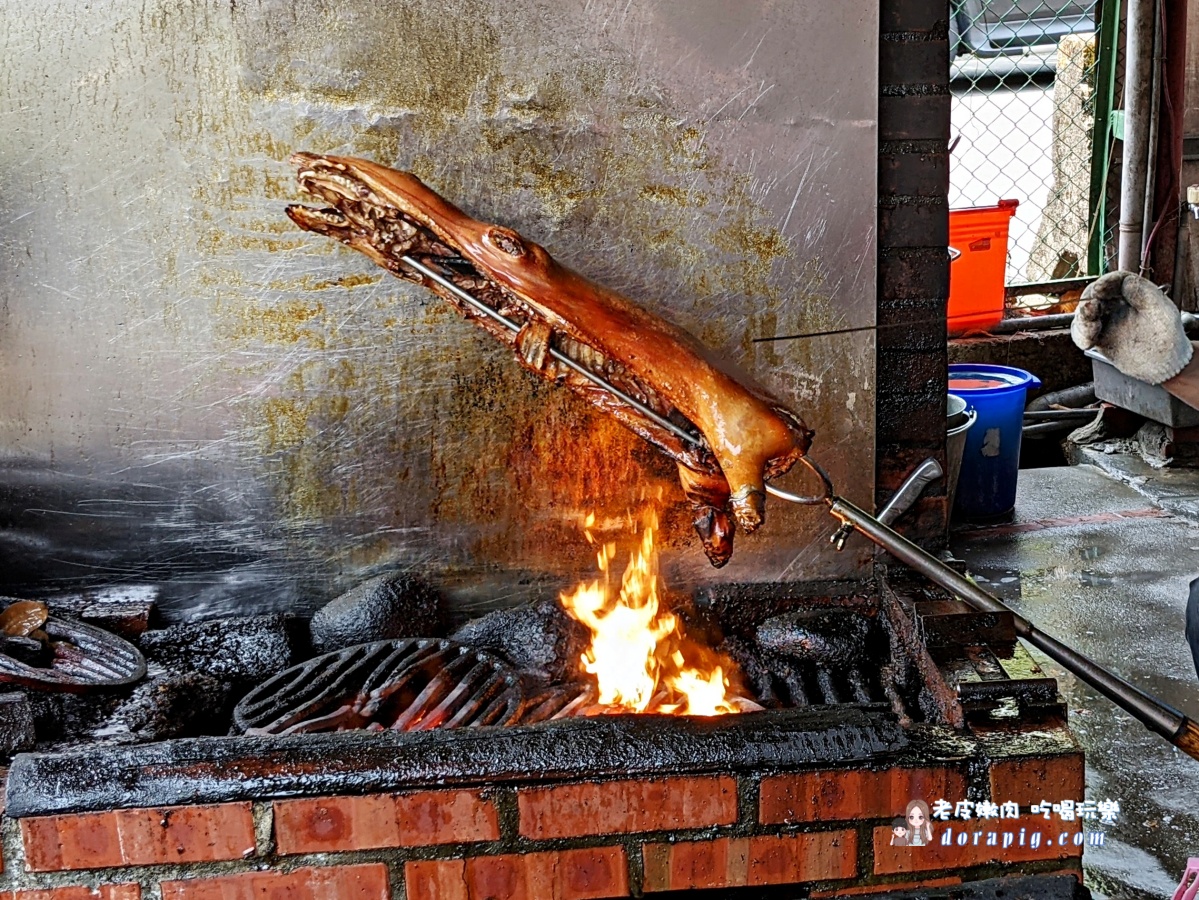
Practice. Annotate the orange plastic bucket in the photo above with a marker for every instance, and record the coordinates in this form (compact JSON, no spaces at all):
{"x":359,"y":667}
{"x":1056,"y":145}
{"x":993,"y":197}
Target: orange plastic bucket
{"x":976,"y":277}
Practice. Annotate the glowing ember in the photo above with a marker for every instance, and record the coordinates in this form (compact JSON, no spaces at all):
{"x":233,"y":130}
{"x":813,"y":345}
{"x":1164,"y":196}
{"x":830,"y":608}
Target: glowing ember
{"x":639,"y":656}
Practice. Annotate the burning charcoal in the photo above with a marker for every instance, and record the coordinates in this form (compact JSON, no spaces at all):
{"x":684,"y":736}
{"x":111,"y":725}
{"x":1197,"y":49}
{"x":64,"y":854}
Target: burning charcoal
{"x":245,"y":649}
{"x":384,"y":608}
{"x":28,"y":650}
{"x":129,"y":620}
{"x":16,"y":724}
{"x":174,"y":706}
{"x":538,"y":636}
{"x":822,"y":637}
{"x":758,"y":676}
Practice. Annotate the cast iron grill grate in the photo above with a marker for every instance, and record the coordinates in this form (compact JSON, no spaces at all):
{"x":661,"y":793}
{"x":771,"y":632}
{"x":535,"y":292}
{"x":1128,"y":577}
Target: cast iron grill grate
{"x":85,"y":659}
{"x":415,"y":684}
{"x":831,"y":658}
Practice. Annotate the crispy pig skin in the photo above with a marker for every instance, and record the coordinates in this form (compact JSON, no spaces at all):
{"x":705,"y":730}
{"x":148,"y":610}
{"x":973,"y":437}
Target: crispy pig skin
{"x":743,"y":437}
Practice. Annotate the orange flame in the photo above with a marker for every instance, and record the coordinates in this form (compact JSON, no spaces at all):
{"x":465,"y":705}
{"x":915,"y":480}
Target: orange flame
{"x":639,"y":657}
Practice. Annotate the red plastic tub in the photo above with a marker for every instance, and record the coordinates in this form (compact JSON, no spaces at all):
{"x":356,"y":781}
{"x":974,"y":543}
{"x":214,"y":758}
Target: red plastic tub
{"x":980,"y":235}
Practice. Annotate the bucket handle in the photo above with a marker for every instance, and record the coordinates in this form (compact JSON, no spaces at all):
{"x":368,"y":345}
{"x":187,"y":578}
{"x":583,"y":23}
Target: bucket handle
{"x":971,"y":418}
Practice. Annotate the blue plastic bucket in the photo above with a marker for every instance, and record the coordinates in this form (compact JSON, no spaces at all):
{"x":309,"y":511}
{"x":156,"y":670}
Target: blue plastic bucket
{"x":991,"y":461}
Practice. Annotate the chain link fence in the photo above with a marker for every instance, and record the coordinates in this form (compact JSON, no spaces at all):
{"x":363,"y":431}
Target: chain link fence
{"x":1027,"y":88}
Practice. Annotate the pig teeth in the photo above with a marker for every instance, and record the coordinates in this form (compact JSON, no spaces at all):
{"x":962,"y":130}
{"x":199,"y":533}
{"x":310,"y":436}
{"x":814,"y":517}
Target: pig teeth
{"x":328,"y":216}
{"x":354,"y":187}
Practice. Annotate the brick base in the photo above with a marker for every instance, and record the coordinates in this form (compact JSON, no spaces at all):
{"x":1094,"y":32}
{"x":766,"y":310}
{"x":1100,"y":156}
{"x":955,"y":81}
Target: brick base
{"x":828,"y":829}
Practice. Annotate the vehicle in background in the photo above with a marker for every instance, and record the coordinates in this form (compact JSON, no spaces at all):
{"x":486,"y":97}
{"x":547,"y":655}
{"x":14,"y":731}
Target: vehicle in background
{"x":997,"y":27}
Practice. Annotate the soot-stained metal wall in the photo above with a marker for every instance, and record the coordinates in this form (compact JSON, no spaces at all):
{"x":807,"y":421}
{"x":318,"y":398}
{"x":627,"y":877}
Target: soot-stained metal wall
{"x":195,"y":394}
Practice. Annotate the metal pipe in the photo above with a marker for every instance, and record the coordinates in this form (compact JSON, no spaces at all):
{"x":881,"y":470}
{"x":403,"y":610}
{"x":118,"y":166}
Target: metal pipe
{"x":909,"y":492}
{"x":476,"y":304}
{"x":1104,"y":104}
{"x":1042,"y":429}
{"x":1151,"y":712}
{"x":1154,"y":126}
{"x":1074,"y":397}
{"x":1142,"y":15}
{"x":1054,"y":287}
{"x":1060,"y":414}
{"x":1063,"y":320}
{"x":1033,"y":323}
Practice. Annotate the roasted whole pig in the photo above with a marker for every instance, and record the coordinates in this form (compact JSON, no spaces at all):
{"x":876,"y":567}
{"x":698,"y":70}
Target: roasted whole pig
{"x":738,"y":437}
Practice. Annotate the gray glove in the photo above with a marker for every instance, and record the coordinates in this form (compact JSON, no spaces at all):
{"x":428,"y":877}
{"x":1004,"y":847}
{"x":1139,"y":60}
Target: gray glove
{"x":1134,"y":325}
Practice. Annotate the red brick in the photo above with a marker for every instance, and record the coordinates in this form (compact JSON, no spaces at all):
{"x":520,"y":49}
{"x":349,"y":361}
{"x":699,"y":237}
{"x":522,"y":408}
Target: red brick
{"x":439,"y":879}
{"x":364,"y":882}
{"x":510,"y":876}
{"x":384,"y":820}
{"x":696,"y":864}
{"x":890,"y":860}
{"x":104,"y":892}
{"x":621,"y":807}
{"x":742,"y":862}
{"x":87,"y":841}
{"x":848,"y":795}
{"x":186,"y":834}
{"x":335,"y":823}
{"x":1031,"y":780}
{"x":138,"y":837}
{"x":585,"y":874}
{"x":446,"y":817}
{"x":803,"y":857}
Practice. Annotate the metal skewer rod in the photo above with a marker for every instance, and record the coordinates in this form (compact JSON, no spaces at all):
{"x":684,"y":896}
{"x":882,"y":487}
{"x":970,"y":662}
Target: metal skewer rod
{"x":1157,"y":716}
{"x":478,"y":305}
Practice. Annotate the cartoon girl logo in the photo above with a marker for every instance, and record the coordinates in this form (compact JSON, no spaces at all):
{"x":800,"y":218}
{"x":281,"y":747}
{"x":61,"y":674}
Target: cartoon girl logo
{"x":920,"y":832}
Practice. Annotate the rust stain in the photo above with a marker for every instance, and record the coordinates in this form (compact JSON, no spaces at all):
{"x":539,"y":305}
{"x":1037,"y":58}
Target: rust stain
{"x":392,"y":58}
{"x":216,"y":243}
{"x":284,"y":323}
{"x":285,"y":423}
{"x":664,"y":194}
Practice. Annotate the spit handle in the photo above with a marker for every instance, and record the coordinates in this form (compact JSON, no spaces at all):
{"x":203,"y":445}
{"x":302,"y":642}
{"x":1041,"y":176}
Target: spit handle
{"x":909,"y":492}
{"x":1153,"y":713}
{"x":901,"y":501}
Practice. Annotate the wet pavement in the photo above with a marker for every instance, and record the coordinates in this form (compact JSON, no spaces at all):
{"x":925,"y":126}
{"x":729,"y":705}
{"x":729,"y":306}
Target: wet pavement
{"x":1106,"y":567}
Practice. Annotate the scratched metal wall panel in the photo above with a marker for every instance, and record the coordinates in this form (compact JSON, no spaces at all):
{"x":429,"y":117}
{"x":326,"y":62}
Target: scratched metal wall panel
{"x":194,"y":393}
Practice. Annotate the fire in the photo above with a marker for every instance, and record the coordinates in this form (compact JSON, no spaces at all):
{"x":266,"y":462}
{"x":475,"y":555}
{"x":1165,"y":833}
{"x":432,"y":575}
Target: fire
{"x":639,"y":656}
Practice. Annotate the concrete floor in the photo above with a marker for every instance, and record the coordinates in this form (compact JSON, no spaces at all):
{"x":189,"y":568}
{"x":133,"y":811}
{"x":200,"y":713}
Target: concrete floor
{"x":1108,"y":573}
